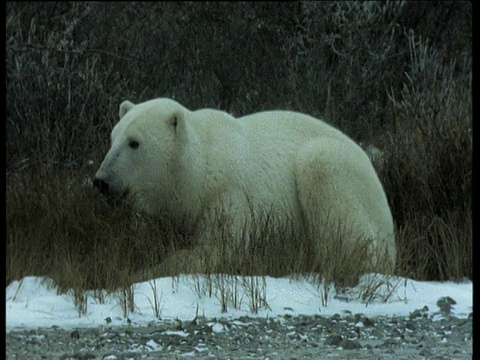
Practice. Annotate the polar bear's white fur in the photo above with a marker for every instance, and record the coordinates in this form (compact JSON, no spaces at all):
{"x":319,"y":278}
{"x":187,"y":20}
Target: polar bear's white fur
{"x":168,"y":160}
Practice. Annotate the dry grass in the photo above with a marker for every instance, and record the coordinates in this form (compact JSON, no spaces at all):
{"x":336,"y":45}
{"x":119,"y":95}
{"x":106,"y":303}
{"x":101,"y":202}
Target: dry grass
{"x":59,"y":227}
{"x":64,"y":229}
{"x":427,"y":173}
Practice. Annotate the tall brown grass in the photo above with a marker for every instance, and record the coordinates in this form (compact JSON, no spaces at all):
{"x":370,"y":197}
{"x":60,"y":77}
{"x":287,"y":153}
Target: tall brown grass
{"x":64,"y":229}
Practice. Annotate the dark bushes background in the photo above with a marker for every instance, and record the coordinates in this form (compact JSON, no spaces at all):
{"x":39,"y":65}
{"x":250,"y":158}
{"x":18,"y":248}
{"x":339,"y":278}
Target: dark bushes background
{"x":69,"y":65}
{"x":394,"y":74}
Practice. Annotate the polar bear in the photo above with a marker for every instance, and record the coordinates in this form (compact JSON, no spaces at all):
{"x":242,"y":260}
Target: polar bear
{"x":167,"y":160}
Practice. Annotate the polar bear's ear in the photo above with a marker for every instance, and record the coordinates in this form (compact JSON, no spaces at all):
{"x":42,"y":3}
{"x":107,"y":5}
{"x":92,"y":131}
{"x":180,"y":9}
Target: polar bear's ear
{"x":177,"y":122}
{"x":125,"y":107}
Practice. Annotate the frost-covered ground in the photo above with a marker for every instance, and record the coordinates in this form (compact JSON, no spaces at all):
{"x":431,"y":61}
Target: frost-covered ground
{"x":33,"y":302}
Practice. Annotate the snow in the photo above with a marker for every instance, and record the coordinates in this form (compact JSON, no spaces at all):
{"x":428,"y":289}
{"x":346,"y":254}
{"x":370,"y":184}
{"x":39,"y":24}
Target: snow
{"x":34,"y":302}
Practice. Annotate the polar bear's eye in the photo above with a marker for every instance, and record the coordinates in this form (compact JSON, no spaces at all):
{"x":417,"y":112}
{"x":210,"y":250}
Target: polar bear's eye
{"x":133,"y":144}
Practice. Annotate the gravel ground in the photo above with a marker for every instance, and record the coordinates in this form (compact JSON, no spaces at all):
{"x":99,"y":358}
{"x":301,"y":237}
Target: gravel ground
{"x":422,"y":335}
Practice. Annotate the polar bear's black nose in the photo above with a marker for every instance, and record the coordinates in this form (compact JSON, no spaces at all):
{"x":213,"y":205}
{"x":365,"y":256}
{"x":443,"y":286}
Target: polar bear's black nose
{"x":101,"y":185}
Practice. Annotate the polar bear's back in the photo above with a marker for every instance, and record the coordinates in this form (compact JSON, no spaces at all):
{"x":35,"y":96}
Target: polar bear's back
{"x":277,"y":137}
{"x":275,"y":140}
{"x":291,"y":129}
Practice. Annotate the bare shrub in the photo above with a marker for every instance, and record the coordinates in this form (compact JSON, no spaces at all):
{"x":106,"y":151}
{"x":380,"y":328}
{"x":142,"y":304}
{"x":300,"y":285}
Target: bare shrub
{"x":428,"y":166}
{"x":74,"y":63}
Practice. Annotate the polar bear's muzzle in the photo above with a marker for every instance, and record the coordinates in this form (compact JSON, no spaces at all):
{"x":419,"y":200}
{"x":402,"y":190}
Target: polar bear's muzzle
{"x":102,"y":186}
{"x":109,"y":191}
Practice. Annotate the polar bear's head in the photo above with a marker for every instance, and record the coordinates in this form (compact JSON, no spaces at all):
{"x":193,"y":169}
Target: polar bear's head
{"x":146,"y":147}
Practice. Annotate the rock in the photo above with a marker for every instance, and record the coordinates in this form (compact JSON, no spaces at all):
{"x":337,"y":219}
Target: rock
{"x":334,"y":340}
{"x":348,"y":344}
{"x":426,"y":353}
{"x":445,"y":304}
